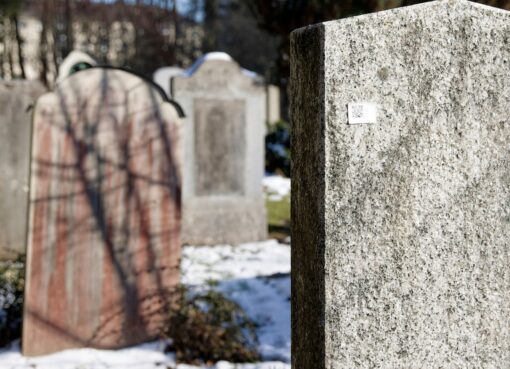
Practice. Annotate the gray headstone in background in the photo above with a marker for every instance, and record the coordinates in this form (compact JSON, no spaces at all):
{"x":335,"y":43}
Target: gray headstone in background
{"x":16,"y":97}
{"x":401,"y":227}
{"x":223,"y":152}
{"x":273,"y":104}
{"x":163,"y":76}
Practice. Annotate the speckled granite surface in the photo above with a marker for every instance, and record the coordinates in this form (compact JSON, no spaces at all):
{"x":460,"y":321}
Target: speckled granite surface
{"x":401,"y":229}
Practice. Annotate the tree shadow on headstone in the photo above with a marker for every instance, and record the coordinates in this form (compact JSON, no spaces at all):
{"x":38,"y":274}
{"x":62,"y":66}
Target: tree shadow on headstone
{"x":104,"y":240}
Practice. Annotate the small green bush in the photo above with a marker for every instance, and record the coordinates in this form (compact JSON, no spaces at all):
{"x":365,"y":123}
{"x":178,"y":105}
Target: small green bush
{"x":207,"y":327}
{"x":278,"y":218}
{"x":278,"y":148}
{"x":12,"y":282}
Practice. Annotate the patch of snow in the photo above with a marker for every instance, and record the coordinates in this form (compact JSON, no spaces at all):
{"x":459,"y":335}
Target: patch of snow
{"x":215,"y":55}
{"x":220,"y":263}
{"x":255,"y":275}
{"x":146,"y":356}
{"x":266,"y":300}
{"x":250,"y":73}
{"x":276,"y":187}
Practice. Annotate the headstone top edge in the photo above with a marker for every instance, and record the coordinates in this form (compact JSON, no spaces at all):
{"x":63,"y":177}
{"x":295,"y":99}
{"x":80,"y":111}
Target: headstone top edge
{"x":214,"y":56}
{"x":96,"y":72}
{"x":247,"y":76}
{"x":415,"y":8}
{"x":163,"y":72}
{"x":94,"y":75}
{"x":310,"y":28}
{"x":20,"y":82}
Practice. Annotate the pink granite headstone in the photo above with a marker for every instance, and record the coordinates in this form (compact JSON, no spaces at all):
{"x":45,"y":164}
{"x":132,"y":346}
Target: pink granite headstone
{"x":104,"y":223}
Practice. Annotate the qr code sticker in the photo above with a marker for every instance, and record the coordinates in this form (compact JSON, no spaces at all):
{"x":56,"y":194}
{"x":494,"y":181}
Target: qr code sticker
{"x":357,"y":111}
{"x":362,"y":112}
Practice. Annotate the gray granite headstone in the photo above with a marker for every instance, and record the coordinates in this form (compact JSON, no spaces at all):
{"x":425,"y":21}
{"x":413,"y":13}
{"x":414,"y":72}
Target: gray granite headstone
{"x":401,"y":225}
{"x":223,"y":152}
{"x":16,"y":98}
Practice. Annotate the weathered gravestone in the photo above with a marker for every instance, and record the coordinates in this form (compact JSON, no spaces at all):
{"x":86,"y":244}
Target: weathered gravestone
{"x":273,"y":104}
{"x":104,"y":246}
{"x":223,"y":152}
{"x":401,"y":227}
{"x":163,"y":76}
{"x":16,"y":98}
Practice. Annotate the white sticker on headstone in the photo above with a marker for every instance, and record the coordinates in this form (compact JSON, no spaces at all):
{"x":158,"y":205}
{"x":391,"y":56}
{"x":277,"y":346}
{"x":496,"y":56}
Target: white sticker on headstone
{"x":362,"y":113}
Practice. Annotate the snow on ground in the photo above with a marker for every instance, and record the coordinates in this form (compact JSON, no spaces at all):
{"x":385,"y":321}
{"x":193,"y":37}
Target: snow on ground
{"x":216,"y":55}
{"x":255,"y":275}
{"x":276,"y":187}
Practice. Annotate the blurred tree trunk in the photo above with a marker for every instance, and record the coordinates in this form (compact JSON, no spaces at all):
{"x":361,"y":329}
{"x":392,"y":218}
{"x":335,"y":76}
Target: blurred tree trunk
{"x":19,"y":45}
{"x":8,"y":46}
{"x":210,"y":25}
{"x":2,"y":42}
{"x":68,"y":29}
{"x":43,"y":45}
{"x":177,"y":30}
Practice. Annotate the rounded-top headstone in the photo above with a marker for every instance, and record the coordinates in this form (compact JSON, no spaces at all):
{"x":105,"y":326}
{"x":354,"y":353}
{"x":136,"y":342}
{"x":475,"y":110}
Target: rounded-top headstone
{"x":103,"y":243}
{"x":224,"y":152}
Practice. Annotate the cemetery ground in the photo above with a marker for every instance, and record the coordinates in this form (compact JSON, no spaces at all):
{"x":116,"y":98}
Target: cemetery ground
{"x":278,"y":207}
{"x":254,"y":275}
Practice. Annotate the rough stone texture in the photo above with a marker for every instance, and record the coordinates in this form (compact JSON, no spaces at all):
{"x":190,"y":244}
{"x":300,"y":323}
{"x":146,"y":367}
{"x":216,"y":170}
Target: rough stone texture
{"x":16,"y":98}
{"x":104,"y":247}
{"x":223,"y":152}
{"x":401,"y":228}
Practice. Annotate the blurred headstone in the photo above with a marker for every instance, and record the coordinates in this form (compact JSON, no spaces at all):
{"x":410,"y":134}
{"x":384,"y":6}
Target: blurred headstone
{"x":223,"y":152}
{"x":75,"y":62}
{"x":163,"y":76}
{"x":16,"y":100}
{"x":401,"y":189}
{"x":273,"y":104}
{"x":104,"y":247}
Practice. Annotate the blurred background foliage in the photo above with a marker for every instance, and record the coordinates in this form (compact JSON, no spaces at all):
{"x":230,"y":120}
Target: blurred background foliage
{"x":278,"y":148}
{"x":12,"y":282}
{"x":205,"y":327}
{"x":146,"y":34}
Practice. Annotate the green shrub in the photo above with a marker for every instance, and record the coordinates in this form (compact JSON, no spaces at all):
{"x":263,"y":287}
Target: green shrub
{"x":278,"y":218}
{"x":207,"y":327}
{"x":278,"y":148}
{"x":12,"y":282}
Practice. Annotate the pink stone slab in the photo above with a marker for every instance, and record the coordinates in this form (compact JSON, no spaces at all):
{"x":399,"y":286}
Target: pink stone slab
{"x":104,"y":223}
